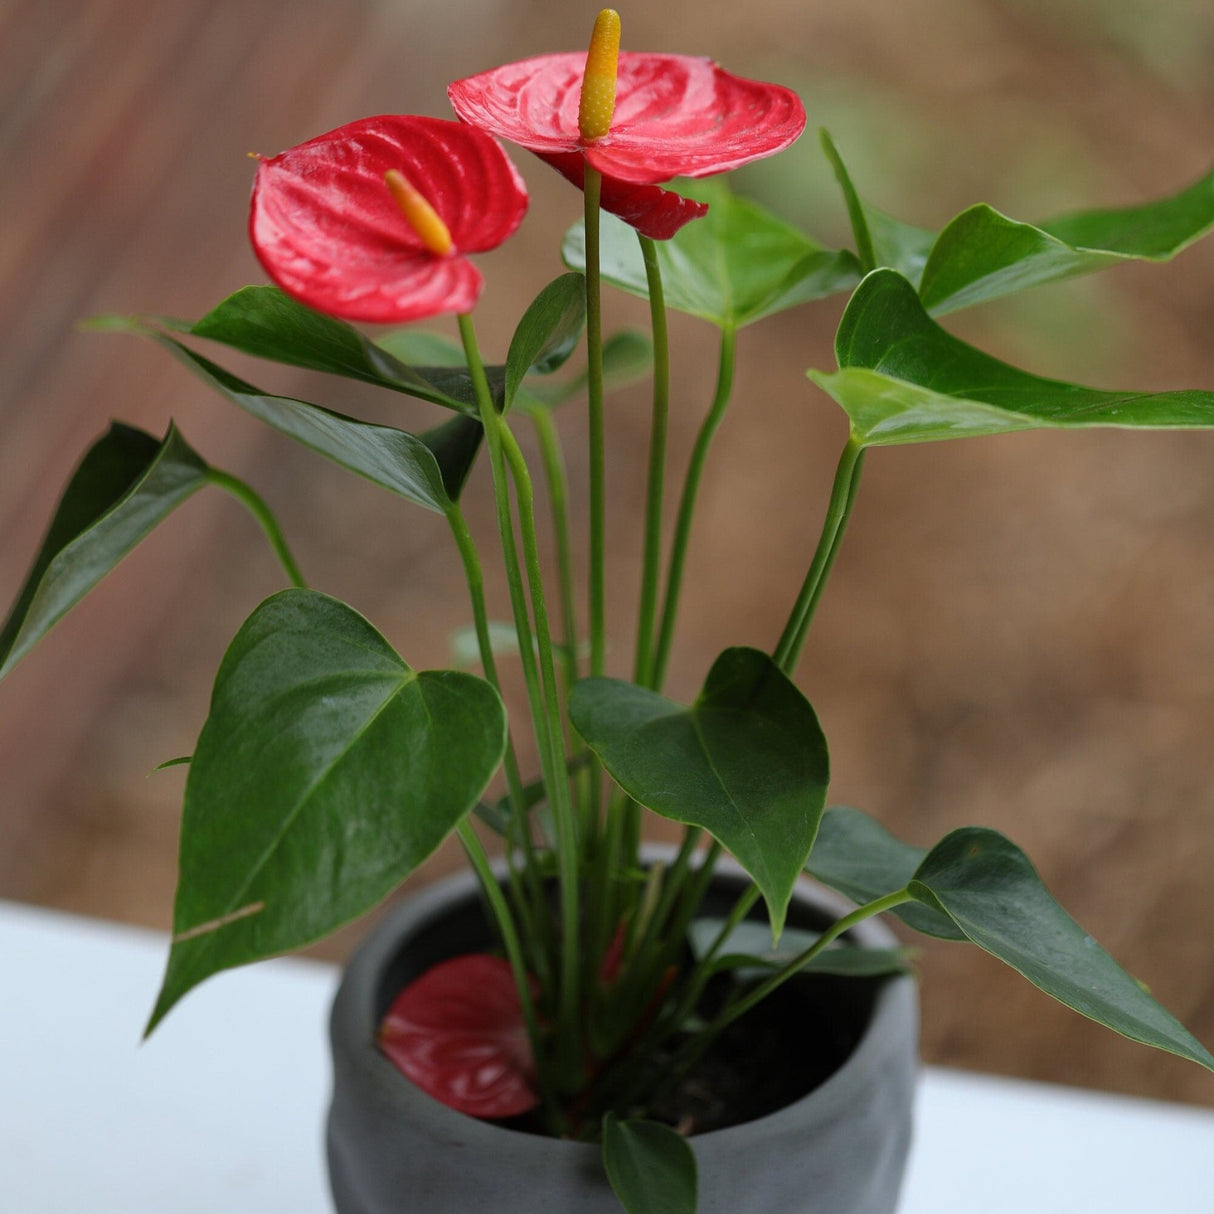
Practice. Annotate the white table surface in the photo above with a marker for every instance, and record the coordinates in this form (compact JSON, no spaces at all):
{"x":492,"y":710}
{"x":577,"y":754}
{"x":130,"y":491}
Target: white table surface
{"x":221,"y":1112}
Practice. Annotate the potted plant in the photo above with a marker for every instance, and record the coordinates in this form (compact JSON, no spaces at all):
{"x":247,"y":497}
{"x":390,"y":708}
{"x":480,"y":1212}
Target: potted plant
{"x":584,"y":996}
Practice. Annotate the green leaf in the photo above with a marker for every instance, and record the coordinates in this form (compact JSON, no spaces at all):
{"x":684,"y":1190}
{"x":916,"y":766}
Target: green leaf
{"x":903,"y":379}
{"x":733,"y":267}
{"x":747,"y":952}
{"x":264,"y":322}
{"x":856,"y":855}
{"x":627,"y":357}
{"x":548,"y":333}
{"x":327,"y":770}
{"x":125,"y":485}
{"x":982,"y":254}
{"x":650,"y":1166}
{"x":422,"y":347}
{"x":747,"y":761}
{"x":855,"y":208}
{"x":987,"y":886}
{"x":428,"y":469}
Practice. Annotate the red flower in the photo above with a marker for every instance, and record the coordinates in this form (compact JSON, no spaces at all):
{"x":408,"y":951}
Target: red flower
{"x":458,"y":1033}
{"x":675,"y":115}
{"x":328,"y":217}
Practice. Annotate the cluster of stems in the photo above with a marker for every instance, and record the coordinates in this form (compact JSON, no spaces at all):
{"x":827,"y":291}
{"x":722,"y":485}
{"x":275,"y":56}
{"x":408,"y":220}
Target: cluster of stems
{"x":602,"y":935}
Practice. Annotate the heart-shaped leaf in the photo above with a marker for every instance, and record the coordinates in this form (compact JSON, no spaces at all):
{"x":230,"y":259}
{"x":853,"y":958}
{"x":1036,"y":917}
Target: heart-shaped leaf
{"x":733,"y":267}
{"x":903,"y":379}
{"x":856,"y":855}
{"x":429,"y":469}
{"x":126,"y":484}
{"x":327,"y":770}
{"x":458,"y":1033}
{"x":982,"y":254}
{"x":548,"y":333}
{"x":650,"y":1166}
{"x":987,"y":886}
{"x":747,"y":761}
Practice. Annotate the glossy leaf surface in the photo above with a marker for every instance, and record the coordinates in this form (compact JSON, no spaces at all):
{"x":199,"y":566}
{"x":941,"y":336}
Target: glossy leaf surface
{"x":904,"y":379}
{"x":987,"y":886}
{"x":327,"y":770}
{"x":735,"y":266}
{"x":428,"y":470}
{"x":857,"y":856}
{"x":747,"y":761}
{"x":458,"y":1033}
{"x":650,"y":1166}
{"x":548,"y":332}
{"x":126,"y":484}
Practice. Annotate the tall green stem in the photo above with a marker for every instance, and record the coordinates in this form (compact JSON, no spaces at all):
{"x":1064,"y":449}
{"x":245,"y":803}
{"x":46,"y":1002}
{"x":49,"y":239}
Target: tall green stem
{"x":591,"y":189}
{"x":838,"y":511}
{"x":687,"y":503}
{"x":256,"y":506}
{"x":550,"y":748}
{"x":642,"y":666}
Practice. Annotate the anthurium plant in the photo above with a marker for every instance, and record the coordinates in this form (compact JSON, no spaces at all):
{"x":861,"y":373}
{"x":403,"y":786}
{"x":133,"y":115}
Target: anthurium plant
{"x":329,"y":768}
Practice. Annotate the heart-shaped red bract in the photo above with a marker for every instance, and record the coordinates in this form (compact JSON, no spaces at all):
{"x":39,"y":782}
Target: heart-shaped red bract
{"x":458,"y":1033}
{"x":328,"y":231}
{"x":675,"y":116}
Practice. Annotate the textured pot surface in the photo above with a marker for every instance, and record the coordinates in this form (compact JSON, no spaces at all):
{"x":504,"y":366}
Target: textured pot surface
{"x":841,"y":1149}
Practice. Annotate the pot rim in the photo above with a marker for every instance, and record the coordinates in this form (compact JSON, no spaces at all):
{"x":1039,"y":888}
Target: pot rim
{"x":354,"y":1023}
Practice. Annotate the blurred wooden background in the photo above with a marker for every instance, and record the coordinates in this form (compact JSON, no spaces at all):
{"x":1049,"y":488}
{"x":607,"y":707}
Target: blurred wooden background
{"x":1018,"y":630}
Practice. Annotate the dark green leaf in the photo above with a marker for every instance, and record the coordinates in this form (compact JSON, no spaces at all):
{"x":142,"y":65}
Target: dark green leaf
{"x":264,"y":322}
{"x":855,"y":208}
{"x":987,"y":886}
{"x":747,"y":761}
{"x":903,"y":379}
{"x":856,"y":855}
{"x":982,"y":254}
{"x":735,"y":266}
{"x":182,"y":761}
{"x":404,"y":463}
{"x":650,"y":1166}
{"x":327,"y":770}
{"x":548,"y":333}
{"x":126,"y":484}
{"x":747,"y":952}
{"x":627,"y":357}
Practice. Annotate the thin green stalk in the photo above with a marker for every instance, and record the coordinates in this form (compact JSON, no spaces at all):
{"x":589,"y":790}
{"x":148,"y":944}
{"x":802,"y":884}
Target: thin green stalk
{"x":534,"y":912}
{"x":264,"y":515}
{"x":591,"y":189}
{"x":691,"y":486}
{"x":838,"y":511}
{"x":514,"y":955}
{"x":696,"y":1047}
{"x":550,"y":749}
{"x":642,"y":666}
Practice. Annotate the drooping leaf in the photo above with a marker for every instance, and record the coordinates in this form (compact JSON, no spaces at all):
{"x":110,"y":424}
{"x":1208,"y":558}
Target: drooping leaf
{"x":327,"y":770}
{"x":428,"y":469}
{"x":989,"y":889}
{"x":548,"y":332}
{"x":126,"y":484}
{"x":856,"y":855}
{"x":733,"y":267}
{"x":265,"y":323}
{"x":903,"y":379}
{"x":747,"y":952}
{"x":650,"y":1166}
{"x":458,"y":1033}
{"x":982,"y":254}
{"x":747,"y":761}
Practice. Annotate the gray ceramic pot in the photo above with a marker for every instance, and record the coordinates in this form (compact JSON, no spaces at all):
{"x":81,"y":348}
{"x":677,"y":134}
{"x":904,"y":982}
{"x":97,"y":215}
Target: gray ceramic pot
{"x":392,"y":1149}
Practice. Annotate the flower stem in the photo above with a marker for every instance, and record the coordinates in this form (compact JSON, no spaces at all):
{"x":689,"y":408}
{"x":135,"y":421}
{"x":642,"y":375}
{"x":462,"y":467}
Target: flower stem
{"x":838,"y":511}
{"x":550,"y":749}
{"x":265,"y":516}
{"x":592,"y":187}
{"x":642,"y":668}
{"x":687,"y":503}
